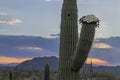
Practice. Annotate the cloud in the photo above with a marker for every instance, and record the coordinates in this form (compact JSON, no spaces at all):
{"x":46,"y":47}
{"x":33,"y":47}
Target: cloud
{"x":30,"y":48}
{"x":81,"y":1}
{"x":52,"y":0}
{"x":97,"y":61}
{"x":88,"y":1}
{"x":7,"y":60}
{"x":3,"y":30}
{"x":55,"y":35}
{"x":101,"y":45}
{"x":11,"y":21}
{"x":3,"y":13}
{"x":37,"y":50}
{"x":48,"y":0}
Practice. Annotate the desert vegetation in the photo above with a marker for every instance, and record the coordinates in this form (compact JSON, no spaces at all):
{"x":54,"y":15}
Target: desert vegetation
{"x":39,"y":75}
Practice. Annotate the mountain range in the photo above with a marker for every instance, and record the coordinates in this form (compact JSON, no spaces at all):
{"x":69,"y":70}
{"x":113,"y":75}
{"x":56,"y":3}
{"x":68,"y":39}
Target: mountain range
{"x":38,"y":63}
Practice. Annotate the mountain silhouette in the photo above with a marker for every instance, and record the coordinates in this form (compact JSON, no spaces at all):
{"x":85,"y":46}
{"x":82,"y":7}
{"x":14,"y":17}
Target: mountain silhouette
{"x":38,"y":63}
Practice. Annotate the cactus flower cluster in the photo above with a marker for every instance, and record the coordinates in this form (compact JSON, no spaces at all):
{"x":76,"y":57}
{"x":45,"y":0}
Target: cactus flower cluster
{"x":89,"y":19}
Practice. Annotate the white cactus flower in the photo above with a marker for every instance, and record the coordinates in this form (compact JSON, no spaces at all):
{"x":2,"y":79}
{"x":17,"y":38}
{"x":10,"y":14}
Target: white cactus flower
{"x":89,"y":19}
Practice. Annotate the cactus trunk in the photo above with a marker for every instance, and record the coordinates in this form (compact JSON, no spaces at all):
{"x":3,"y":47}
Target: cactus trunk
{"x":46,"y":73}
{"x":10,"y":75}
{"x":68,"y":40}
{"x":83,"y":46}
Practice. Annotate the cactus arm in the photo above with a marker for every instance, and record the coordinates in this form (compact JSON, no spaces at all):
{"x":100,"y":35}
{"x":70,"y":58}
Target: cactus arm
{"x":85,"y":42}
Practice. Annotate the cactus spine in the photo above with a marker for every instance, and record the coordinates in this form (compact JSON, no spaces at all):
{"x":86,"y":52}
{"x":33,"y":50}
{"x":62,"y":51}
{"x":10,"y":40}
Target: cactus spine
{"x":68,"y":40}
{"x":46,"y":72}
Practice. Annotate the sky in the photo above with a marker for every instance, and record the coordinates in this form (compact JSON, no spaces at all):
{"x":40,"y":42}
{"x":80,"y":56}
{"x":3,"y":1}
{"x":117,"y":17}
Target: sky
{"x":42,"y":18}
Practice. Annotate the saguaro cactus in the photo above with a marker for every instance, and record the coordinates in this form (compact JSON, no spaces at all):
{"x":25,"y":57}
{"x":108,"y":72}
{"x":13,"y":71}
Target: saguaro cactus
{"x":68,"y":40}
{"x":89,"y":23}
{"x":10,"y":75}
{"x":68,"y":65}
{"x":46,"y":72}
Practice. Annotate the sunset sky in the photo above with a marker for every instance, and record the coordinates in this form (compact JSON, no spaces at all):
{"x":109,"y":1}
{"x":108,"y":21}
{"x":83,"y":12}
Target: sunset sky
{"x":42,"y":18}
{"x":8,"y":60}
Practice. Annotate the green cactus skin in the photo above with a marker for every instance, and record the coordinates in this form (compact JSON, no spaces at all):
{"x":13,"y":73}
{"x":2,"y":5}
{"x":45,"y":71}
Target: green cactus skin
{"x":83,"y":46}
{"x":68,"y":40}
{"x":46,"y":73}
{"x":72,"y":55}
{"x":89,"y":23}
{"x":10,"y":75}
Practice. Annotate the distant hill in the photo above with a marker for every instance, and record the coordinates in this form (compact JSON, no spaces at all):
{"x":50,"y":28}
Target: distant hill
{"x":8,"y":66}
{"x":39,"y":63}
{"x":110,"y":69}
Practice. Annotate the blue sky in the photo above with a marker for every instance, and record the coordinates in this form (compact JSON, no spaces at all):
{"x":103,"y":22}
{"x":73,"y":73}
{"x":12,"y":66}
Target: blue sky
{"x":42,"y":17}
